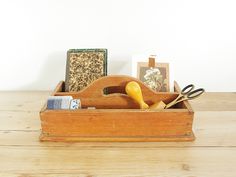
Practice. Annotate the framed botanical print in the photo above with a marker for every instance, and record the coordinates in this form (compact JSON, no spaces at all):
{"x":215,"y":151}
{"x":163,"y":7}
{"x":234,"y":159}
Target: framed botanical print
{"x":155,"y":77}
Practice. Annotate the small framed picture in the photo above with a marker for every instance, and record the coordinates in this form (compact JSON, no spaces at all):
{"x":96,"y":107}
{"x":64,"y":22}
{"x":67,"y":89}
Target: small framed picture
{"x":83,"y":67}
{"x":155,"y":77}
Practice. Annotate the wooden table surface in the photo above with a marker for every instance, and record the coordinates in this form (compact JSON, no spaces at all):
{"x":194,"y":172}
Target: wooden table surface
{"x":213,"y":153}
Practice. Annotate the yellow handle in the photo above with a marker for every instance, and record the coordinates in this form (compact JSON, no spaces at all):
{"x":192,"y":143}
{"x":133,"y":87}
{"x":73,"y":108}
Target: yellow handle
{"x":134,"y":91}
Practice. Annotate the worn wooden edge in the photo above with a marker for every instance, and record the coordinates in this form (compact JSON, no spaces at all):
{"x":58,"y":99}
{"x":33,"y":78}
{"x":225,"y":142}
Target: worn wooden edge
{"x":67,"y":71}
{"x":116,"y":94}
{"x":114,"y":111}
{"x":187,"y":137}
{"x":186,"y":103}
{"x":59,"y":87}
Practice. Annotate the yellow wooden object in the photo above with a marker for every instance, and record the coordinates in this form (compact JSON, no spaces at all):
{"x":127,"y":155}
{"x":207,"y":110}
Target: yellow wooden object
{"x":134,"y":91}
{"x":158,"y":106}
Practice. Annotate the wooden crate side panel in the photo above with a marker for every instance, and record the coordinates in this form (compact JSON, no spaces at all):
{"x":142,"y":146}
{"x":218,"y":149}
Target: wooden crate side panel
{"x":95,"y":124}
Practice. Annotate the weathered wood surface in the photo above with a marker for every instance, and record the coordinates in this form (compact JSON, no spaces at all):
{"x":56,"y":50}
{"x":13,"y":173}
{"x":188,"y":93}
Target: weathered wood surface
{"x":213,"y":153}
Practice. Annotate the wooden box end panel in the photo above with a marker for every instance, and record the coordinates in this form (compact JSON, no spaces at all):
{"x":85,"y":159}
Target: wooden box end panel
{"x":116,"y":125}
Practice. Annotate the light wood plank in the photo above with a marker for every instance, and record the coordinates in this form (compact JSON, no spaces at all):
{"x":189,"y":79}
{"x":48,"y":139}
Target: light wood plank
{"x":23,"y":100}
{"x":34,"y":100}
{"x":10,"y":120}
{"x":212,"y":154}
{"x":215,"y":101}
{"x":119,"y":161}
{"x":211,"y":129}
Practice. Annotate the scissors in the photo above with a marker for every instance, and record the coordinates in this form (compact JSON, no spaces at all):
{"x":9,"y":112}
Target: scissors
{"x":187,"y":93}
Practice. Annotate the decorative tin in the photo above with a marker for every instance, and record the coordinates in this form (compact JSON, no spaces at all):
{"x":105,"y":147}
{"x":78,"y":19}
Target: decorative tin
{"x":83,"y":67}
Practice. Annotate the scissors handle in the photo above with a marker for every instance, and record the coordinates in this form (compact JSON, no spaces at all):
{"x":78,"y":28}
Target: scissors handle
{"x":195,"y":93}
{"x":187,"y":89}
{"x":186,"y":94}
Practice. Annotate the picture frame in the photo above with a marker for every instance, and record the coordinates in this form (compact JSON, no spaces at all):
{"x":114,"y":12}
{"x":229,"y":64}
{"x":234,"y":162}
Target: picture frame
{"x":83,"y":67}
{"x":157,"y":77}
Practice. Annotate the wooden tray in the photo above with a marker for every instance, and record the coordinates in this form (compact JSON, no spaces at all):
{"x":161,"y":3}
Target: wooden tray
{"x":117,"y":117}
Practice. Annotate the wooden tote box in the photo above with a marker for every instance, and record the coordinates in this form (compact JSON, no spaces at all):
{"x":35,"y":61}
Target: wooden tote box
{"x":117,"y":117}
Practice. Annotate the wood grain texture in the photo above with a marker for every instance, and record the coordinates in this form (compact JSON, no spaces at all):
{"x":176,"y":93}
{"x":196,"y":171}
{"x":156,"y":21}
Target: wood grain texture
{"x":215,"y":101}
{"x":116,"y":125}
{"x":211,"y":129}
{"x":24,"y":101}
{"x":119,"y":161}
{"x":213,"y":153}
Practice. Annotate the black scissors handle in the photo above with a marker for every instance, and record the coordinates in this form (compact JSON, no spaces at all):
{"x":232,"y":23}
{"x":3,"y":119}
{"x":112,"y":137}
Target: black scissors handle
{"x":187,"y":93}
{"x":195,"y":93}
{"x":187,"y":89}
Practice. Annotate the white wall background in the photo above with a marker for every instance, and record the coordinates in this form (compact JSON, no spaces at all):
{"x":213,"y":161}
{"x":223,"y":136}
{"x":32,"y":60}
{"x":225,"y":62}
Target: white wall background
{"x":197,"y":38}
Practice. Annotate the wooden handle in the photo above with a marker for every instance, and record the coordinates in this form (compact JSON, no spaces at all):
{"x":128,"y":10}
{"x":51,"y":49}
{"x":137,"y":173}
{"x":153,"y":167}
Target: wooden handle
{"x":93,"y":94}
{"x":95,"y":89}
